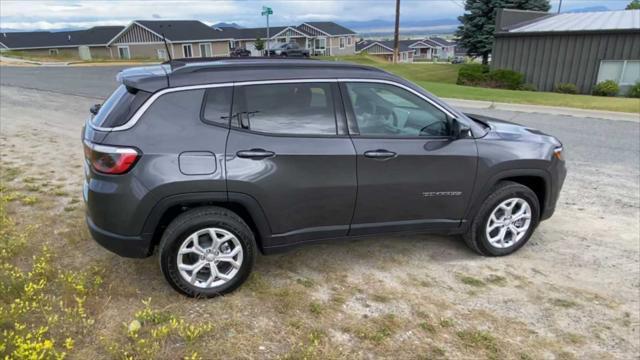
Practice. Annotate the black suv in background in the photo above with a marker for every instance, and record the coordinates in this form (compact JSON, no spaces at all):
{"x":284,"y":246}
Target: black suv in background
{"x":289,"y":50}
{"x":211,"y":162}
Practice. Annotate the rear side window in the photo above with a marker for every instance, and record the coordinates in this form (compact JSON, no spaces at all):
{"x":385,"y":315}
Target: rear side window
{"x":301,"y":108}
{"x":217,"y":105}
{"x":120,"y":107}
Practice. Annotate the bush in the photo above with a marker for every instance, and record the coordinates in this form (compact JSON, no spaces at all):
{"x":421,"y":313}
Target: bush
{"x":634,"y":92}
{"x":506,"y":79}
{"x":566,"y":88}
{"x":528,"y":87}
{"x":472,"y":74}
{"x":606,"y":88}
{"x":480,"y":75}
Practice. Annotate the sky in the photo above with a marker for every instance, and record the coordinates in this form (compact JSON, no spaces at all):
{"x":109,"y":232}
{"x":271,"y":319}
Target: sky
{"x":62,"y":14}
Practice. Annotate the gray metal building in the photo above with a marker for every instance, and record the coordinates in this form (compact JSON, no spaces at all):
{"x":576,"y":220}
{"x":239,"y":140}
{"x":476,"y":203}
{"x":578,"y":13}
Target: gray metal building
{"x":578,"y":48}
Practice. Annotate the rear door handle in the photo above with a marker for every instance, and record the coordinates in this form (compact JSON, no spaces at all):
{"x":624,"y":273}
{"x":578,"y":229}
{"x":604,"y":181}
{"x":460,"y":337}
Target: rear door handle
{"x":380,"y":154}
{"x":255,"y":154}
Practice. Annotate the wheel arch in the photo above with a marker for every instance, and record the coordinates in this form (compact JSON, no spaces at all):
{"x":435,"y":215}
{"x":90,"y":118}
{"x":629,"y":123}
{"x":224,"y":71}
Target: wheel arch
{"x":167,"y":209}
{"x":538,"y":180}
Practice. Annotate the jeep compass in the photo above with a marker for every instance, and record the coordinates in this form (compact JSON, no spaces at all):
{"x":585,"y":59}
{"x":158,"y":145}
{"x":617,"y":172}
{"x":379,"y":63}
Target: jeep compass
{"x":209,"y":162}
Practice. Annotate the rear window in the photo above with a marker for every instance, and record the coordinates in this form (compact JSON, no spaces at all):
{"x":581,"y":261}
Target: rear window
{"x":119,"y":107}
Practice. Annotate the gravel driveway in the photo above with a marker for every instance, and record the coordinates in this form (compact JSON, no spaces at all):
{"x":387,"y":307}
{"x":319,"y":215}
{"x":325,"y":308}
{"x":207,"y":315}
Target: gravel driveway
{"x":572,"y":292}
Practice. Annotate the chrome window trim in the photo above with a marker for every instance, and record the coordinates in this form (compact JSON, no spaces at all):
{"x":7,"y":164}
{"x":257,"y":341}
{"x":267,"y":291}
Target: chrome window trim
{"x":147,"y":104}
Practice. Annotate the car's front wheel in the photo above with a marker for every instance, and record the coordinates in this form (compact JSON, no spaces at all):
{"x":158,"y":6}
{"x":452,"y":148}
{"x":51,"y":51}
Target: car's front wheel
{"x":207,"y":252}
{"x":505,"y":221}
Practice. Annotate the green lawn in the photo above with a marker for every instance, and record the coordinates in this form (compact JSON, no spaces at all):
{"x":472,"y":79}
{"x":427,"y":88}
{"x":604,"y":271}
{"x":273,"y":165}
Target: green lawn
{"x":440,"y":79}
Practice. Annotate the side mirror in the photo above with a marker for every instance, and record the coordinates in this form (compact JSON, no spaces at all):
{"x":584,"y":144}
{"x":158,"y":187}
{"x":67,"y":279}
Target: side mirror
{"x":460,"y":130}
{"x":95,"y":108}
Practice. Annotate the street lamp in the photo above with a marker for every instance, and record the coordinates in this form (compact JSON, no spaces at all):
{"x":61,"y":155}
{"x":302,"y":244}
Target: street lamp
{"x":266,"y":11}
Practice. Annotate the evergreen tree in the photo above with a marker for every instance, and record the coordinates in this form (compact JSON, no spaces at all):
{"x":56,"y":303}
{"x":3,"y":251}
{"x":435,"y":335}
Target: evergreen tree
{"x":479,"y":23}
{"x":633,"y":5}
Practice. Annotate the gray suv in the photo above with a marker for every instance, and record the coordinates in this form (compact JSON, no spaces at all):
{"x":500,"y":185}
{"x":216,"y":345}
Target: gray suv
{"x":212,"y":162}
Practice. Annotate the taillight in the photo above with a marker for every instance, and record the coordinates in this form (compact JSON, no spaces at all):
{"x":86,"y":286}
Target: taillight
{"x":110,"y":159}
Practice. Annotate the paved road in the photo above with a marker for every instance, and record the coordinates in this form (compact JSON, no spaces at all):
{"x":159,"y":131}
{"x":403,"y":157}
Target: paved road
{"x":586,"y":139}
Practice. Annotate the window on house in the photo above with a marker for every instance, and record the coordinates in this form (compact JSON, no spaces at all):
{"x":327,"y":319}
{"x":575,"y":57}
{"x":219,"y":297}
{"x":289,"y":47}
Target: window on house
{"x":349,"y":41}
{"x":187,"y":51}
{"x":624,"y":72}
{"x":205,"y":50}
{"x":162,"y":54}
{"x":342,"y":40}
{"x":303,"y":108}
{"x":53,"y":51}
{"x":123,"y":52}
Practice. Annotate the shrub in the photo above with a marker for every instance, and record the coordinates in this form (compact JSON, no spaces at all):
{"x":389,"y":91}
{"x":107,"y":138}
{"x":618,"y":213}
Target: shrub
{"x":528,"y":87}
{"x":566,"y":88}
{"x":472,"y":74}
{"x":634,"y":92}
{"x":506,"y":79}
{"x":606,"y":88}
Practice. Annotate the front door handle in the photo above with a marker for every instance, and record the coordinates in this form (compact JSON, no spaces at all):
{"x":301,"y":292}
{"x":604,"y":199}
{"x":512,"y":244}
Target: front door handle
{"x":380,"y":154}
{"x":255,"y":154}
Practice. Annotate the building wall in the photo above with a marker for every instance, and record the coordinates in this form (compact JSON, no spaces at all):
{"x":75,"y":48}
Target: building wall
{"x":334,"y":44}
{"x":68,"y":52}
{"x":548,"y":59}
{"x":218,"y":48}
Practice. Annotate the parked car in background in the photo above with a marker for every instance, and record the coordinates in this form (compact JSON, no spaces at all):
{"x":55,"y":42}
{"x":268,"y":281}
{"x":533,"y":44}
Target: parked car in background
{"x":271,"y":153}
{"x":289,"y":50}
{"x":239,"y":52}
{"x":458,"y":60}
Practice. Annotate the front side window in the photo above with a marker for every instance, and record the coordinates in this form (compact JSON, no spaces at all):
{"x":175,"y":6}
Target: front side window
{"x":301,"y":108}
{"x":349,"y":41}
{"x":342,"y":43}
{"x":390,"y":111}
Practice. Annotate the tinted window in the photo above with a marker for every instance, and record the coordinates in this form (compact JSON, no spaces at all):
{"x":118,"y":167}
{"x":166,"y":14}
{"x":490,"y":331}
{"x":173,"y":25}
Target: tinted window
{"x":387,"y":110}
{"x":304,"y":108}
{"x":217,"y":105}
{"x":179,"y":106}
{"x":119,"y":107}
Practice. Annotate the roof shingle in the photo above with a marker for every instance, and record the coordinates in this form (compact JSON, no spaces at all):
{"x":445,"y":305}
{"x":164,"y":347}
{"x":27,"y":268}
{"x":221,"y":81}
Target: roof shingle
{"x":98,"y":35}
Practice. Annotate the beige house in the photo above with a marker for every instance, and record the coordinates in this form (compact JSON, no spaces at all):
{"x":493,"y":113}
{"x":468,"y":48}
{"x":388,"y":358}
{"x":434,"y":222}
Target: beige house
{"x":157,"y":39}
{"x":384,"y":49}
{"x":184,"y":39}
{"x":84,"y":44}
{"x":321,"y":38}
{"x":245,"y":38}
{"x":330,"y":38}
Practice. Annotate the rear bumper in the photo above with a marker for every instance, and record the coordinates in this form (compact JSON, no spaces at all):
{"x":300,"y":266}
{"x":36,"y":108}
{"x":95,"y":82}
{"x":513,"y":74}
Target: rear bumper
{"x":127,"y":246}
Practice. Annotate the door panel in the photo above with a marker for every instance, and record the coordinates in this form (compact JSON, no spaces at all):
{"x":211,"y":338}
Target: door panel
{"x":412,"y":174}
{"x":285,"y":151}
{"x":426,"y":185}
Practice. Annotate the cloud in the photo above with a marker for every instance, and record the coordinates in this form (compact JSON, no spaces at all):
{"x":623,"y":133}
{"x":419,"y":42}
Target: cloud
{"x":57,"y":14}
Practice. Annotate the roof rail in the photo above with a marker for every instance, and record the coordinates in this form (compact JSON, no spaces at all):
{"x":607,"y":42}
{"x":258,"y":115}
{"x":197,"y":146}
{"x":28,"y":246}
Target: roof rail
{"x":189,"y":65}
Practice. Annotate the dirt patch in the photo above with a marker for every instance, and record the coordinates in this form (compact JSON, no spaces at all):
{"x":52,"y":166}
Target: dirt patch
{"x":572,"y":292}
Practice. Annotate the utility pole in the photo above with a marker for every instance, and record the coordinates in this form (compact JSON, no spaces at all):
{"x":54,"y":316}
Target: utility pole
{"x":559,"y":6}
{"x":267,"y":11}
{"x":396,"y":34}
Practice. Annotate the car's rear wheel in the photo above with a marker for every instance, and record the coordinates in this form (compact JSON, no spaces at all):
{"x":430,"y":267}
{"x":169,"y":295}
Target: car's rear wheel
{"x":207,"y":252}
{"x":505,"y":221}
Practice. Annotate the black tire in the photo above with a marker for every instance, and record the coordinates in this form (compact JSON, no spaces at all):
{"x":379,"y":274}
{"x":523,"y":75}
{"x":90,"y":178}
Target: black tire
{"x":476,"y":237}
{"x":191,"y":221}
